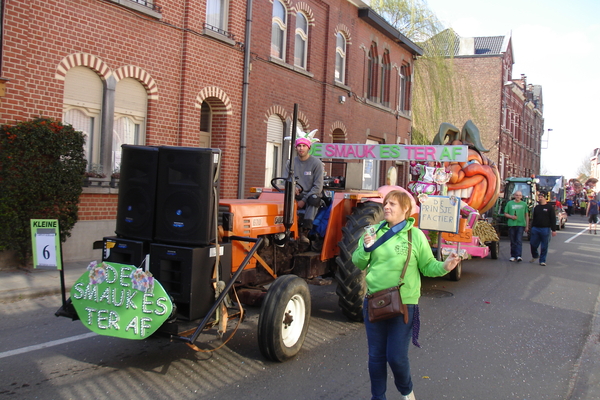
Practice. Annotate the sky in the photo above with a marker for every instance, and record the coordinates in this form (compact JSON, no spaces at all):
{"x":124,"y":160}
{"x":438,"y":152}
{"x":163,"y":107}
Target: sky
{"x":556,"y":44}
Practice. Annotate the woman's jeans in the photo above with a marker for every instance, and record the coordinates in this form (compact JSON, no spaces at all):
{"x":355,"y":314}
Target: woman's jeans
{"x":516,"y":240}
{"x":537,"y":237}
{"x":388,"y":343}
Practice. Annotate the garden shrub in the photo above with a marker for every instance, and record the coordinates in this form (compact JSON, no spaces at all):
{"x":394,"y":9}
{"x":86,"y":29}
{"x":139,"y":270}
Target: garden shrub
{"x":42,"y":163}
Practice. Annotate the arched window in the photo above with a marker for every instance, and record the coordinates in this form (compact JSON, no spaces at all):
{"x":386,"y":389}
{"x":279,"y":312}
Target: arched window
{"x":373,"y":70}
{"x":340,"y":58}
{"x":338,"y":166}
{"x":404,"y":103}
{"x":301,"y":44}
{"x":83,"y":102}
{"x":386,"y":70}
{"x":205,"y":125}
{"x":131,"y":103}
{"x":82,"y":108}
{"x":279,"y":29}
{"x":275,"y":129}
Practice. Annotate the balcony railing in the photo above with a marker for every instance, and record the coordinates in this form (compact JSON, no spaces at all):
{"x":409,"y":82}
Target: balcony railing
{"x":219,"y":31}
{"x":148,"y":3}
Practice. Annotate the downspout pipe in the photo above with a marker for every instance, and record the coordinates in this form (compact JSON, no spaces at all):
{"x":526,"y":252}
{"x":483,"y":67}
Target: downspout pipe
{"x":243,"y":122}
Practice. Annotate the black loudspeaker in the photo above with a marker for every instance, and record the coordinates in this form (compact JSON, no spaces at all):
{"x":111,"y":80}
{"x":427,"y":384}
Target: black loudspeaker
{"x":186,"y":198}
{"x":137,"y":192}
{"x":186,"y":273}
{"x":125,"y":251}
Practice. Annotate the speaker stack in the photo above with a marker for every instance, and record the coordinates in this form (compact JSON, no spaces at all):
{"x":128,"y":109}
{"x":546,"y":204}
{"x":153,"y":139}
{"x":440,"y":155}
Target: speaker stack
{"x":137,"y":192}
{"x":186,"y":273}
{"x":166,"y":208}
{"x":187,"y":182}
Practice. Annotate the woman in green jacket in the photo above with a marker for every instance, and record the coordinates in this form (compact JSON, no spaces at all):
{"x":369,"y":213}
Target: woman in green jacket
{"x":388,"y":340}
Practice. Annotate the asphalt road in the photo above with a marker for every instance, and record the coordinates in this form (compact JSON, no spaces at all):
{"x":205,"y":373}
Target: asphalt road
{"x":504,"y":331}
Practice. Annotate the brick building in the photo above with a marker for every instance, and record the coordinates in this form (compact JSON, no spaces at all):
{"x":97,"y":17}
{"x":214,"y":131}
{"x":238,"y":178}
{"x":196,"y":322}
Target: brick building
{"x":348,"y":70}
{"x":185,"y":74}
{"x":509,"y":111}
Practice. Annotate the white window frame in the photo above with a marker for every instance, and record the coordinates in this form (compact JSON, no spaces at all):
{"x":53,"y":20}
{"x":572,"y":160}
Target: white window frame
{"x":340,"y":54}
{"x":279,"y":30}
{"x":274,"y":149}
{"x":139,"y":137}
{"x":300,"y":60}
{"x":92,"y":139}
{"x":273,"y":164}
{"x":131,"y":102}
{"x":217,"y":14}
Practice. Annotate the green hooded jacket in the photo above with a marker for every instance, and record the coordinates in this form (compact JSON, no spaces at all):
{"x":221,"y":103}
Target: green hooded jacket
{"x":384,"y":265}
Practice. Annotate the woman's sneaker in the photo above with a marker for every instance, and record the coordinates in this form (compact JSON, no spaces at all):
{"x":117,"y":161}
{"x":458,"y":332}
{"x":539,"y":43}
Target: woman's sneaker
{"x":410,"y":396}
{"x":533,"y":260}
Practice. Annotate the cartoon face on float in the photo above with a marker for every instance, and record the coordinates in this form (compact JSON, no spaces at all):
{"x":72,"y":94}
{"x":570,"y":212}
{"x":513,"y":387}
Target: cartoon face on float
{"x":476,"y":181}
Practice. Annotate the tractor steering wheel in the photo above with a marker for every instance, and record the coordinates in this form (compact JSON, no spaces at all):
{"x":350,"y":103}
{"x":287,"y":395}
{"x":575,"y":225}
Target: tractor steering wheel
{"x":279,"y":189}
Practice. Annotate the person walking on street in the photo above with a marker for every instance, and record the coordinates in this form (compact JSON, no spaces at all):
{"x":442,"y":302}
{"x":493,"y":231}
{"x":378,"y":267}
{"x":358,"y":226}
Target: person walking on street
{"x":518,"y":222}
{"x":569,"y":206}
{"x":543,"y":224}
{"x":592,"y":212}
{"x":582,"y":206}
{"x":384,"y":256}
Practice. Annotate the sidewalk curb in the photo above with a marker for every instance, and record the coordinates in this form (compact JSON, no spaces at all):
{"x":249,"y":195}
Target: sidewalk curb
{"x":22,"y":284}
{"x":12,"y":296}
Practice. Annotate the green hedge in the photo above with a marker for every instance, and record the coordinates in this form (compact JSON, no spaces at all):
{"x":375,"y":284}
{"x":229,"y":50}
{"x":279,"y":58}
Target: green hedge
{"x":41,"y":168}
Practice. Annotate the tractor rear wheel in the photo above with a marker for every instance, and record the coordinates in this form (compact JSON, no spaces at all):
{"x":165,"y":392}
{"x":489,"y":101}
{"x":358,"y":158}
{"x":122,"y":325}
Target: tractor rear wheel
{"x":351,"y":287}
{"x":284,"y":318}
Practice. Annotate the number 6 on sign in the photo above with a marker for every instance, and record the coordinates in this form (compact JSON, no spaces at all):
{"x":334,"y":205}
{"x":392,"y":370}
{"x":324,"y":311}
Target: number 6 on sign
{"x":46,"y":243}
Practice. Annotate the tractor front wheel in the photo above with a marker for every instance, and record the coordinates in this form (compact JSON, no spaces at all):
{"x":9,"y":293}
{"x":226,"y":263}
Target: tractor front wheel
{"x":284,"y":318}
{"x":351,"y":287}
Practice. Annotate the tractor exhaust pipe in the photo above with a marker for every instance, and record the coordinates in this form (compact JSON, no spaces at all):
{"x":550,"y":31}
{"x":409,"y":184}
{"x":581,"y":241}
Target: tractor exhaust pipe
{"x":290,"y":183}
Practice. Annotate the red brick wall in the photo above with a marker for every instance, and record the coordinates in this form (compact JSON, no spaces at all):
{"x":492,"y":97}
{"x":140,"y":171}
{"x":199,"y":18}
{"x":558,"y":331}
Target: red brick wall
{"x":39,"y":34}
{"x":273,"y":85}
{"x":97,"y":206}
{"x":485,"y":79}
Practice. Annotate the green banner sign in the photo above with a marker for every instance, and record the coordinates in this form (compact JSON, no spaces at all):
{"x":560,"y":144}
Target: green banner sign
{"x":120,"y":300}
{"x":398,"y":152}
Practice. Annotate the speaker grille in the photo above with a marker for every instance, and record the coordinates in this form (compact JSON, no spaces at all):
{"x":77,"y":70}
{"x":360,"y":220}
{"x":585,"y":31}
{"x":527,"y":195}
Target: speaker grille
{"x":137,"y":192}
{"x":186,"y":195}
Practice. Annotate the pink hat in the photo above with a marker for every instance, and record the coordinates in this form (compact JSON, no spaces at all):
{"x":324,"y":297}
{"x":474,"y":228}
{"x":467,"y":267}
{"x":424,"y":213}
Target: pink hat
{"x":303,"y":140}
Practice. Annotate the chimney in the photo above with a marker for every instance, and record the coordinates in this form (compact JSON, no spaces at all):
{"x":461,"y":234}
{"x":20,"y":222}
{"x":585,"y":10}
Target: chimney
{"x":466,"y":46}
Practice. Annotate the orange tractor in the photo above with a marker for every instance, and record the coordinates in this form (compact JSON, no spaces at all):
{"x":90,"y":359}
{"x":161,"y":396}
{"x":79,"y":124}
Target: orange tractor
{"x":252,"y":257}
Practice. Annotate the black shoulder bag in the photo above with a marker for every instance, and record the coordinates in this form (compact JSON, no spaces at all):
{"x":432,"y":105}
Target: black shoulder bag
{"x":387,"y":303}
